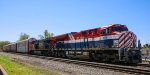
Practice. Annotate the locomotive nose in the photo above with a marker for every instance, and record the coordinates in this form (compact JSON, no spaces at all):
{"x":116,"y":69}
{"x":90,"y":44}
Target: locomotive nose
{"x":127,"y":39}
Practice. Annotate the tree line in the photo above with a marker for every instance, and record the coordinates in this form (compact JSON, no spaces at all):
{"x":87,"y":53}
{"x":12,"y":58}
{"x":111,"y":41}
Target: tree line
{"x":24,"y":36}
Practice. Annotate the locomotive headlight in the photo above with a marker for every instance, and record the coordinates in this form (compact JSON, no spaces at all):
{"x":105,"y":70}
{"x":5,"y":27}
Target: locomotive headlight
{"x":115,"y":43}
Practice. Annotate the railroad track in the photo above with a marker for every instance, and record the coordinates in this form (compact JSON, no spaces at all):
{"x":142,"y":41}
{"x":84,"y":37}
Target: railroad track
{"x":146,"y":61}
{"x":143,"y":65}
{"x":125,"y":69}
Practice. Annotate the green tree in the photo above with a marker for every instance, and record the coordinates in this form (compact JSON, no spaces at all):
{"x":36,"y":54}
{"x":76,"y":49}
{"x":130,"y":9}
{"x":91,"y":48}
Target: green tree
{"x":23,"y":36}
{"x":46,"y":34}
{"x":3,"y":43}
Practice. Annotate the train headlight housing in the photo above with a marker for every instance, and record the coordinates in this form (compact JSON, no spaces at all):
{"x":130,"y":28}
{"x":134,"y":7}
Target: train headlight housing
{"x":115,"y":44}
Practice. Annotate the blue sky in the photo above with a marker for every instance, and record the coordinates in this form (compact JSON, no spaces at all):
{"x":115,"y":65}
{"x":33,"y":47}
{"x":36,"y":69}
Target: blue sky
{"x":63,"y":16}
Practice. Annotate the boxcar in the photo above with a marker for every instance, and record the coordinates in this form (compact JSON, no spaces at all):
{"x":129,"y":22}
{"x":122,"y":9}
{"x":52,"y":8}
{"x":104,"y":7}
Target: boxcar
{"x":24,"y":46}
{"x":7,"y":48}
{"x":13,"y":47}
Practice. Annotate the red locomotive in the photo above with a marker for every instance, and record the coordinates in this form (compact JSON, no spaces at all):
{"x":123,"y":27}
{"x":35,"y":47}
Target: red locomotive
{"x":113,"y":43}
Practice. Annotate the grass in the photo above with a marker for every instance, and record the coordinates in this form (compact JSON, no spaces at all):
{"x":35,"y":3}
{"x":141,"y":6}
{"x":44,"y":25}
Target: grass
{"x":16,"y":68}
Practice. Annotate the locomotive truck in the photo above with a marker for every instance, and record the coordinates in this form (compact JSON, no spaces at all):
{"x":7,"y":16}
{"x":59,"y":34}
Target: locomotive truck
{"x":114,"y":43}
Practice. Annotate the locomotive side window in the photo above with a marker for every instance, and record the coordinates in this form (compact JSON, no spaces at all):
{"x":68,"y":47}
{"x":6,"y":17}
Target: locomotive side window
{"x":119,"y":29}
{"x":125,"y":29}
{"x":108,"y":30}
{"x":103,"y":31}
{"x":116,"y":29}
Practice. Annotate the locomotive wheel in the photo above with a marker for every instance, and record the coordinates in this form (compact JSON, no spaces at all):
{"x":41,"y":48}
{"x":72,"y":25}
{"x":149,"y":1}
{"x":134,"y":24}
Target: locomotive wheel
{"x":65,"y":54}
{"x":59,"y":54}
{"x":31,"y":52}
{"x":52,"y":53}
{"x":91,"y":57}
{"x":55,"y":54}
{"x":49,"y":53}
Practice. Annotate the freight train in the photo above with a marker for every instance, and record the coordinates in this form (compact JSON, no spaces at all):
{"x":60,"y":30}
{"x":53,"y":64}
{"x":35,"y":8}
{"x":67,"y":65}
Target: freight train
{"x":114,"y":43}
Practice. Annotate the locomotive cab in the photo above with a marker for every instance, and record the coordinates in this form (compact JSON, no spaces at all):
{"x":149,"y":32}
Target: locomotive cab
{"x":120,"y":28}
{"x":111,"y":34}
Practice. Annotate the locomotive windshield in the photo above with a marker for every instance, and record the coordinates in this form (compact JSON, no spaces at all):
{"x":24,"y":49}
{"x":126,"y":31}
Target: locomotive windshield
{"x":119,"y":29}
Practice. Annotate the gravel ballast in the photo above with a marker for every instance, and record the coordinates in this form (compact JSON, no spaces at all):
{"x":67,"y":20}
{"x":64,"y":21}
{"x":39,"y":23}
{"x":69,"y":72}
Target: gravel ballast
{"x":64,"y":68}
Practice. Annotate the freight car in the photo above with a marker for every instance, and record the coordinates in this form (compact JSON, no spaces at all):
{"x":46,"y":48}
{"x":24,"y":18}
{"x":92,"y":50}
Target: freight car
{"x":7,"y":48}
{"x":114,"y":43}
{"x":25,"y":45}
{"x":10,"y":47}
{"x":21,"y":47}
{"x":13,"y":47}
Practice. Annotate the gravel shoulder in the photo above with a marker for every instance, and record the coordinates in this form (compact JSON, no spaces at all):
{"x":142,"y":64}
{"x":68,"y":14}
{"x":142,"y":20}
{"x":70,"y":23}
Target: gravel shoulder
{"x":61,"y":67}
